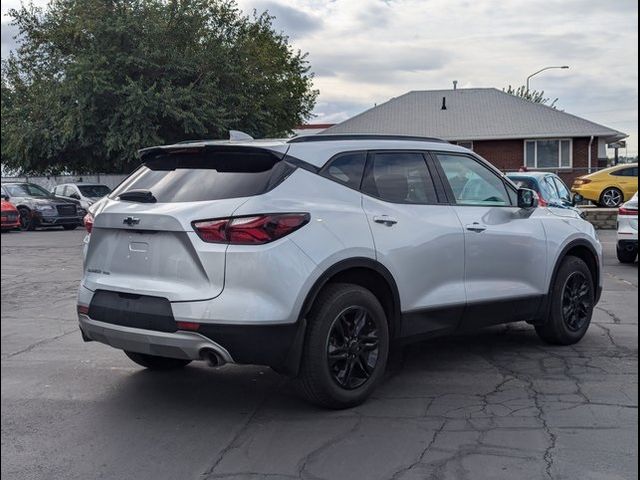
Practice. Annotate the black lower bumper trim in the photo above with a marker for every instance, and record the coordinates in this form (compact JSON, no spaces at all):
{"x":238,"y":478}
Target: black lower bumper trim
{"x":271,"y":345}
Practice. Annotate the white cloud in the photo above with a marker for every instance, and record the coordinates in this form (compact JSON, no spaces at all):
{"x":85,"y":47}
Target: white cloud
{"x":367,"y":51}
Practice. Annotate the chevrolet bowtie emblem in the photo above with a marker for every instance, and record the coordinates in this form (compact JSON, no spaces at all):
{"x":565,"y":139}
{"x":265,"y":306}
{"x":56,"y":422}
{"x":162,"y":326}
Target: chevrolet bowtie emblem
{"x":131,"y":221}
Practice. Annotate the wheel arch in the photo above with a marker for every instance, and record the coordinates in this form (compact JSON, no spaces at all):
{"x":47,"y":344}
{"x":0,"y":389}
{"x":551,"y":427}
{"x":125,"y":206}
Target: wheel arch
{"x":584,"y":250}
{"x":362,"y":271}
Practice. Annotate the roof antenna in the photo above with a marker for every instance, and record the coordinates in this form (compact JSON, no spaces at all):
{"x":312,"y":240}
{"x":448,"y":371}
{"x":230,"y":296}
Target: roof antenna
{"x":455,"y":84}
{"x":238,"y":136}
{"x":444,"y":103}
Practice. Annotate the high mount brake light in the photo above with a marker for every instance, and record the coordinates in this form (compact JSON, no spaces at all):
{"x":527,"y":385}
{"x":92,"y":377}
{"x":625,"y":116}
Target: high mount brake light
{"x":88,"y":222}
{"x":250,"y":230}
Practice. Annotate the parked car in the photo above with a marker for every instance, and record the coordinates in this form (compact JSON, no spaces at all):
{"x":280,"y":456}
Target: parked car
{"x":86,"y":193}
{"x":312,"y":255}
{"x":627,"y":248}
{"x":9,"y":213}
{"x":39,"y":208}
{"x":609,"y":187}
{"x":551,"y":190}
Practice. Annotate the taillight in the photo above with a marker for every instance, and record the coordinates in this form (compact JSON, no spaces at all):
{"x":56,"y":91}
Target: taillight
{"x":627,"y":211}
{"x":250,"y":230}
{"x":581,"y":181}
{"x":88,"y":222}
{"x":542,"y":202}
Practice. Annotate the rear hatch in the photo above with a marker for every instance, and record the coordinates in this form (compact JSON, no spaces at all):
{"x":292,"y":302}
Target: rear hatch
{"x":142,"y":239}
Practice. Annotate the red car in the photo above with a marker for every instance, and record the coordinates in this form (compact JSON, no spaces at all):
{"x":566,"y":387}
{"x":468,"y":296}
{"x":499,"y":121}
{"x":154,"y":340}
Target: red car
{"x":10,"y":216}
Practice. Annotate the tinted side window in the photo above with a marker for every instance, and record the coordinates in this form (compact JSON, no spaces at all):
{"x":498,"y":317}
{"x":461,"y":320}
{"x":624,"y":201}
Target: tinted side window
{"x":399,"y":177}
{"x":626,"y":172}
{"x":473,"y":183}
{"x":346,"y":168}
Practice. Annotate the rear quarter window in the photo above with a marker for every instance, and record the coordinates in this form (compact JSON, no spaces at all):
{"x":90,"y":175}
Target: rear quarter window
{"x":202,"y":175}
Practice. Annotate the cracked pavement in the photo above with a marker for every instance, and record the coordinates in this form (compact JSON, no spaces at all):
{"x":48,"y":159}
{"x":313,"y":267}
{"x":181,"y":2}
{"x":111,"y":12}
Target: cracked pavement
{"x":497,"y":404}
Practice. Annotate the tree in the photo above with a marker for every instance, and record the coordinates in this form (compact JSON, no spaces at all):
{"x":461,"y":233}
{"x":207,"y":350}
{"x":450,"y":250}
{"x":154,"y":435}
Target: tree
{"x":531,"y":95}
{"x":92,"y":81}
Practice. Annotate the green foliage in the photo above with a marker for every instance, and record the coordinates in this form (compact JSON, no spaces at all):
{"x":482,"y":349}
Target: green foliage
{"x":531,"y":95}
{"x":92,"y":81}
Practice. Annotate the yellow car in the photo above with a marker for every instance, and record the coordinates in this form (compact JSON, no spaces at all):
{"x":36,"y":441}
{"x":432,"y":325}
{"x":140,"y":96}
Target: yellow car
{"x":610,"y":187}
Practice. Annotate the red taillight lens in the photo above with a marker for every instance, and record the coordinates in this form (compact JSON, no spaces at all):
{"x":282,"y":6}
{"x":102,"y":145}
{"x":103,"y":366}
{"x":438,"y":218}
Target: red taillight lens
{"x":253,"y":230}
{"x":581,"y":181}
{"x":88,"y":222}
{"x":542,"y":202}
{"x":83,"y":309}
{"x":193,"y":326}
{"x":627,"y":211}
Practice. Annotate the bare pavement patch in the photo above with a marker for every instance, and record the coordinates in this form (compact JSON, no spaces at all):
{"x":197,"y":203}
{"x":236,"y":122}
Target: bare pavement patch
{"x":498,"y":404}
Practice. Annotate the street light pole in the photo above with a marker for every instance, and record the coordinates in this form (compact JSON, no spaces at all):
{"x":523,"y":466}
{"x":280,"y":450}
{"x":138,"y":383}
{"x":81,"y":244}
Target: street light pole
{"x":542,"y":70}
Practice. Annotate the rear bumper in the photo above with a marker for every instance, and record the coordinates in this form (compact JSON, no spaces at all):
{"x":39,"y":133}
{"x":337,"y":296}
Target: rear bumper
{"x":180,"y":344}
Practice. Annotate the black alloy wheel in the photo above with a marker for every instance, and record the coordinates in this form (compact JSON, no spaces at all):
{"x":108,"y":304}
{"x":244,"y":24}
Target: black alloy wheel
{"x":576,"y":301}
{"x":352,"y":347}
{"x":26,"y":219}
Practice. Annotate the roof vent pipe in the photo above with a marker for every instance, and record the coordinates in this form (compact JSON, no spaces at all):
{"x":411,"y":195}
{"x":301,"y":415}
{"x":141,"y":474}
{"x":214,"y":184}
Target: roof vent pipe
{"x":444,"y":103}
{"x":455,"y":84}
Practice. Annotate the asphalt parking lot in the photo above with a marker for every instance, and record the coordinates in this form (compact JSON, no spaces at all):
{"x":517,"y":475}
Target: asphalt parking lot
{"x":498,"y":404}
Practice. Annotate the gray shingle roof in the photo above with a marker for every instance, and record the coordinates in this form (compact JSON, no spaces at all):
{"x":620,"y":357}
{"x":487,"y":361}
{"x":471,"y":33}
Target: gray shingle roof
{"x":471,"y":114}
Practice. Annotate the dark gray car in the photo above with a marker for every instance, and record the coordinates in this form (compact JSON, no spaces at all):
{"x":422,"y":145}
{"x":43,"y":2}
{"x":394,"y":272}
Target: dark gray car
{"x":39,"y":208}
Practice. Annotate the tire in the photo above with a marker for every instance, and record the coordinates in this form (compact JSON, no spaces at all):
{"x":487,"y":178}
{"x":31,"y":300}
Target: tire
{"x":626,"y":256}
{"x":349,"y":320}
{"x":572,"y":303}
{"x":611,"y":198}
{"x":153,"y":362}
{"x":70,"y":227}
{"x":26,"y":221}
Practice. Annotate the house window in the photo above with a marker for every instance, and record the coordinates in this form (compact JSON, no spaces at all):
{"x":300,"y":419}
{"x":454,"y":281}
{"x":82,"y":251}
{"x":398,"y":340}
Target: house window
{"x":466,"y":144}
{"x":555,"y":153}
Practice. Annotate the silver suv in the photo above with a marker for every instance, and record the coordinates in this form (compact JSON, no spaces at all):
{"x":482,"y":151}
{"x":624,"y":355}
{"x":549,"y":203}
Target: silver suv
{"x":314,"y":255}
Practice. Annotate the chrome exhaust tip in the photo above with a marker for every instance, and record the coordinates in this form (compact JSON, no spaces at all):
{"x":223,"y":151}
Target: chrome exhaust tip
{"x":213,"y":358}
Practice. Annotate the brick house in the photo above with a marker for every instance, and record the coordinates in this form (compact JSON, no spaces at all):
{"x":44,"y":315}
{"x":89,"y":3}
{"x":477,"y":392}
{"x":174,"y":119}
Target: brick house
{"x":506,"y":130}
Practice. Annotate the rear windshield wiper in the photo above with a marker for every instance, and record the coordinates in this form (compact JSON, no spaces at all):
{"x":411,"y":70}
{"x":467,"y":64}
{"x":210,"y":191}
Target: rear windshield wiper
{"x":141,"y":196}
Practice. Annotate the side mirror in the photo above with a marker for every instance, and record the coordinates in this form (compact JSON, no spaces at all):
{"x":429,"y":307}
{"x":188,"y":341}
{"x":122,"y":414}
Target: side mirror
{"x":75,"y":195}
{"x":577,"y":198}
{"x":527,"y":199}
{"x":4,"y":197}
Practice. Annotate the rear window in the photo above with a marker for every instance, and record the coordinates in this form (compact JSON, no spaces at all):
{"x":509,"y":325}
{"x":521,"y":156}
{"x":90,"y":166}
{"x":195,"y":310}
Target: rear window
{"x":201,"y":175}
{"x":524,"y":183}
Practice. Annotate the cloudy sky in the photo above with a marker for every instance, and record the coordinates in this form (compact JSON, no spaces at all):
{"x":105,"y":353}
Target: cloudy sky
{"x":364,"y":52}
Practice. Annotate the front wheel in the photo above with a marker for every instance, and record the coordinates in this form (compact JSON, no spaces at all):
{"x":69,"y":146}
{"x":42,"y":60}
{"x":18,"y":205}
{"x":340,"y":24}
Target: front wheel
{"x":572,"y":303}
{"x":626,"y":256}
{"x":153,"y":362}
{"x":26,"y":219}
{"x":346,"y":347}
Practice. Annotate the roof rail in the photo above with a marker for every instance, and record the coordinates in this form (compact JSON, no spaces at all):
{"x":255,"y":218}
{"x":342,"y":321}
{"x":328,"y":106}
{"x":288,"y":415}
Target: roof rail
{"x":365,"y":136}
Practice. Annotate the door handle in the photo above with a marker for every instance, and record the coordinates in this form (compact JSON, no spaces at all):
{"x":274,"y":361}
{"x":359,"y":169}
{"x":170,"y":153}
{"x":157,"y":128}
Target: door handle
{"x":385,"y":220}
{"x":476,"y":227}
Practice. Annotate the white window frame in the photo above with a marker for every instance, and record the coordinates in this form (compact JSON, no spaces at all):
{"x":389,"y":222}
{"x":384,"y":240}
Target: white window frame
{"x":535,"y":143}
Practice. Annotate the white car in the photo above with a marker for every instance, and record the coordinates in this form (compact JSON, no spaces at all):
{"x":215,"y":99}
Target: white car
{"x":628,"y":231}
{"x":312,"y":255}
{"x":86,"y":193}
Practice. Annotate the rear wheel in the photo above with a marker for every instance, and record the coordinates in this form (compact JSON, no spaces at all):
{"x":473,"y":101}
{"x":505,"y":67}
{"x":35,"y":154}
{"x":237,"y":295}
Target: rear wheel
{"x":626,"y":255}
{"x":611,"y":198}
{"x":153,"y":362}
{"x":572,"y":303}
{"x":26,"y":219}
{"x":346,"y":347}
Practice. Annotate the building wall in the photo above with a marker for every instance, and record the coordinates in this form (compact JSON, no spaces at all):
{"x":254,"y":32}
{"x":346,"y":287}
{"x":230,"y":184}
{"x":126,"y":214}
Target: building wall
{"x":508,"y":155}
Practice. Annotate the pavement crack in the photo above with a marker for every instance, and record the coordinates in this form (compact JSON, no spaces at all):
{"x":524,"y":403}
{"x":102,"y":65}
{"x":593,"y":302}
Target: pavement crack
{"x":37,"y":344}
